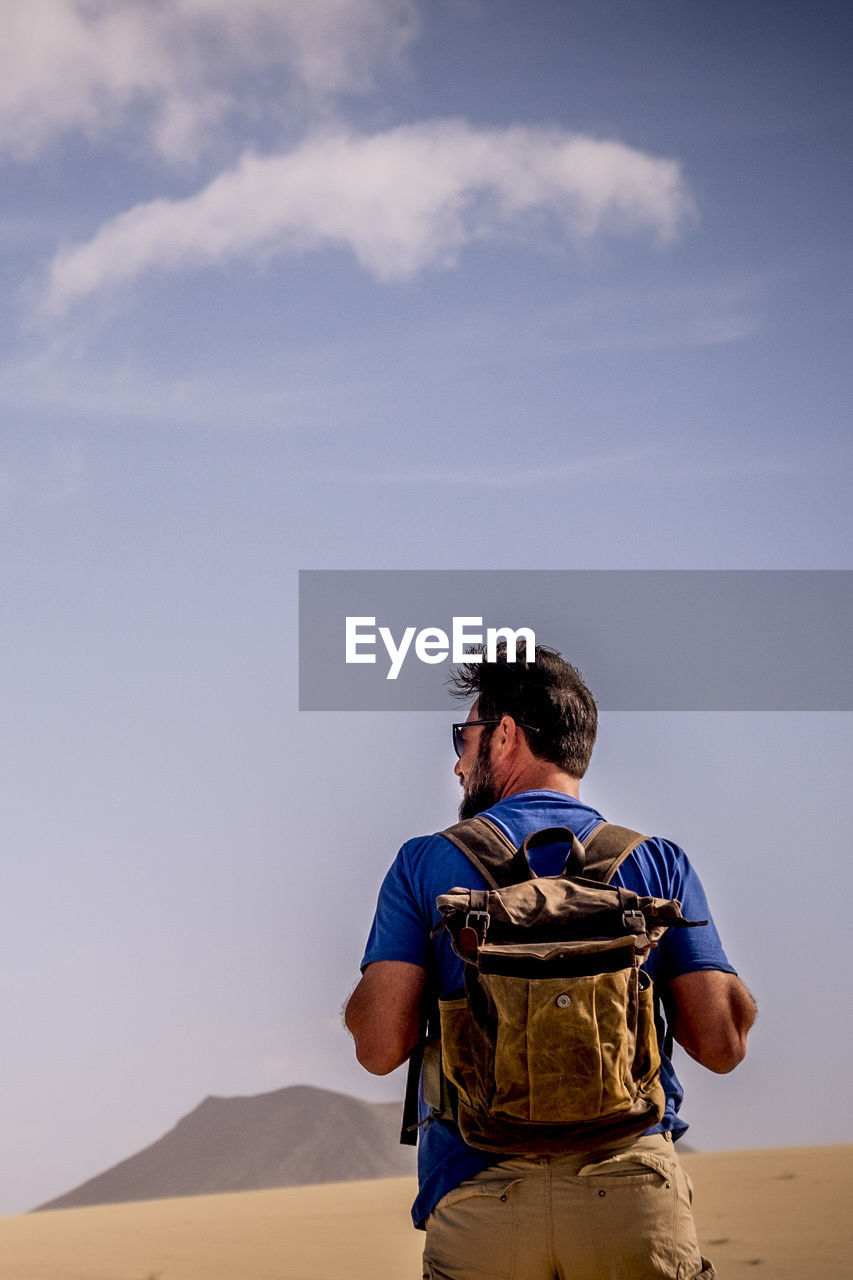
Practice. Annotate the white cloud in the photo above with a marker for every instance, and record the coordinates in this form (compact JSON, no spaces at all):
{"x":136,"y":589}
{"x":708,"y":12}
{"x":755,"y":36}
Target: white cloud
{"x":401,"y":201}
{"x":84,"y":64}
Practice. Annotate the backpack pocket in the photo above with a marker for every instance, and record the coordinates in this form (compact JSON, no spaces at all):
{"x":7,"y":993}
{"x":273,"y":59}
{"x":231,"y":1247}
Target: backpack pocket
{"x":564,"y":1046}
{"x":466,"y":1054}
{"x":646,"y":1065}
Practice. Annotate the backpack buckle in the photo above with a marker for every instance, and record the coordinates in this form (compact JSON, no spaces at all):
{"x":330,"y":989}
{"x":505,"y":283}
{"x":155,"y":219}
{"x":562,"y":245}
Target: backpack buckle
{"x":478,"y":917}
{"x":479,"y":921}
{"x":634,"y":921}
{"x":472,"y":935}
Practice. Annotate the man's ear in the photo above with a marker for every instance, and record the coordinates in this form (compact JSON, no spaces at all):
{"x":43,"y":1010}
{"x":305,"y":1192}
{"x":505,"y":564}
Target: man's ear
{"x":506,"y":734}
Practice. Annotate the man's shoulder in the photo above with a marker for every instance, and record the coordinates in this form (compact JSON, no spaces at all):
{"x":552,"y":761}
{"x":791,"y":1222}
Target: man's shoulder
{"x":426,"y":860}
{"x":657,"y":866}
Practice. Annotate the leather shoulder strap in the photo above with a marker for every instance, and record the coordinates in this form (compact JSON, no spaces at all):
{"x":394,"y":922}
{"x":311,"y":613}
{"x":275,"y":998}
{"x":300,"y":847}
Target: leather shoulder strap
{"x":606,"y":849}
{"x":490,"y":851}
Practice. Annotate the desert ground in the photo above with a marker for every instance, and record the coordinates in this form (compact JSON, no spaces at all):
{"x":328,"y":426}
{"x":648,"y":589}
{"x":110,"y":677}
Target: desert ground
{"x":783,"y":1214}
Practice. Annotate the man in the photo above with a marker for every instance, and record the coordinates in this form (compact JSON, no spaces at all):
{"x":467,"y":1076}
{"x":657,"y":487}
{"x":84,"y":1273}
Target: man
{"x":616,"y":1211}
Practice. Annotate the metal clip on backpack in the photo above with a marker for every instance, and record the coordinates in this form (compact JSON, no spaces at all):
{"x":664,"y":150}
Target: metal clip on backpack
{"x":552,"y":1046}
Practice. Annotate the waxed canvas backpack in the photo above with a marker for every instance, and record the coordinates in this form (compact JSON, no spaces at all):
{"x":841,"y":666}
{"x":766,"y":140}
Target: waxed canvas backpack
{"x":551,"y":1046}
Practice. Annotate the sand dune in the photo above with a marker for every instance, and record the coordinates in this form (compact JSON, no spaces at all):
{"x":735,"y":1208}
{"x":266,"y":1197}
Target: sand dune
{"x":781,"y":1214}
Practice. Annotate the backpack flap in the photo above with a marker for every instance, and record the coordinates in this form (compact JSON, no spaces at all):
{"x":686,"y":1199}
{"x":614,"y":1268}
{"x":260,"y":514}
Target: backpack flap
{"x":560,"y":911}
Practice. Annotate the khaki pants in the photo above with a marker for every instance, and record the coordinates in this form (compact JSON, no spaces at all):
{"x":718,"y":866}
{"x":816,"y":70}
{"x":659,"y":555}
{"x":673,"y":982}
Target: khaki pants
{"x":620,"y":1214}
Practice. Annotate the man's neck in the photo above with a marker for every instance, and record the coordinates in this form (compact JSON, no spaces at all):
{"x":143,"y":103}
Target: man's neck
{"x":542,"y":778}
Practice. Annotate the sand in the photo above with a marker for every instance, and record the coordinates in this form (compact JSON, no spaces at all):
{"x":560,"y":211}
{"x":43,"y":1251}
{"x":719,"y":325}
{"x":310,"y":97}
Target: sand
{"x":782,"y":1214}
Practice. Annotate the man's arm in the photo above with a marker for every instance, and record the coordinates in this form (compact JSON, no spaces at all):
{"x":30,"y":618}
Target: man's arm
{"x":711,"y":1014}
{"x":383,"y":1014}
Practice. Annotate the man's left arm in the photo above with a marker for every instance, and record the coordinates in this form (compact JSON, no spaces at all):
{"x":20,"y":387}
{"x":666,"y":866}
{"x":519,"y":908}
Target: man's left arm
{"x":711,"y":1013}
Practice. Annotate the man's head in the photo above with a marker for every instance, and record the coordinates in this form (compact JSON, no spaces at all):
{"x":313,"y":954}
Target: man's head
{"x":541,"y":721}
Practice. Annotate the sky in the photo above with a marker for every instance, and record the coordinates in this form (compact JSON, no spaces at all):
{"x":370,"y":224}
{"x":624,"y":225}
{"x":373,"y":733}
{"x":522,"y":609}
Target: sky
{"x":349,"y":284}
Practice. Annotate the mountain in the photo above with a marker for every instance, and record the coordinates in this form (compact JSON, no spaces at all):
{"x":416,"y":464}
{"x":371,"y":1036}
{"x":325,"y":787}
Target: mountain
{"x":290,"y":1137}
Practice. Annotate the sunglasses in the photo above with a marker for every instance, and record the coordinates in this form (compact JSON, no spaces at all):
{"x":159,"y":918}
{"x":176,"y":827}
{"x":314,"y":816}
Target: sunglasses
{"x":459,"y":741}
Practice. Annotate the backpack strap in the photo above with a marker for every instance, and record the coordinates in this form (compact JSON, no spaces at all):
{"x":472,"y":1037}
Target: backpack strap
{"x":491,"y":852}
{"x":409,"y":1123}
{"x":611,"y":846}
{"x":499,"y":863}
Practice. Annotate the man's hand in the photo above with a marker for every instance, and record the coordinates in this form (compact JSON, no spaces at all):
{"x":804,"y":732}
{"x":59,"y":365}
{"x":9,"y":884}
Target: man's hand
{"x":384,"y":1014}
{"x":712,"y":1013}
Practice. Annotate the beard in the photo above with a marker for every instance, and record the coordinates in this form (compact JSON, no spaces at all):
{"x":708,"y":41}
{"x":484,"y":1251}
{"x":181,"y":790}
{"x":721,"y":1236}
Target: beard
{"x":478,"y":790}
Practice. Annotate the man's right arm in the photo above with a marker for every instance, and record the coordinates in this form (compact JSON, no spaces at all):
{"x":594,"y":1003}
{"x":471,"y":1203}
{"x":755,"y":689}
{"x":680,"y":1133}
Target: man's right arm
{"x":383,"y":1014}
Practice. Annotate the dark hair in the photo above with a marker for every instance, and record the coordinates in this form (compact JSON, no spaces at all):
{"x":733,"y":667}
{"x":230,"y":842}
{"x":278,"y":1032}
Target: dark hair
{"x":548,"y":694}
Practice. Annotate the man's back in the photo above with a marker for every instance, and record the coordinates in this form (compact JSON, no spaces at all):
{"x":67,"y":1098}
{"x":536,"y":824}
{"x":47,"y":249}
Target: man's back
{"x":406,"y":916}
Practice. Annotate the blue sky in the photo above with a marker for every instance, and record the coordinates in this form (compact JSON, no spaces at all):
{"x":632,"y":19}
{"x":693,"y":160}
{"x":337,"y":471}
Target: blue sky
{"x":375,"y":284}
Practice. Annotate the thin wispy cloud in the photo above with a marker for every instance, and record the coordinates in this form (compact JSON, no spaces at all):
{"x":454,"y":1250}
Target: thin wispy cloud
{"x":401,"y":201}
{"x":698,"y":313}
{"x":659,"y":461}
{"x":86,"y":65}
{"x":503,"y":477}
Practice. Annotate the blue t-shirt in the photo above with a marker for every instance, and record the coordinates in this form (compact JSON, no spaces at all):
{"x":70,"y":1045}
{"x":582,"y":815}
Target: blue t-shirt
{"x":406,"y":915}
